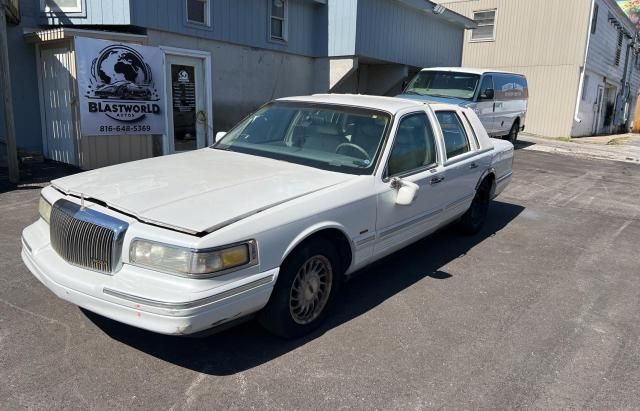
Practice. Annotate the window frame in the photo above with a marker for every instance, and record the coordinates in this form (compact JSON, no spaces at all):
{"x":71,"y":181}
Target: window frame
{"x":44,"y":8}
{"x":385,"y":175}
{"x":472,"y":149}
{"x":594,"y":18}
{"x":495,"y":24}
{"x":207,"y":14}
{"x":284,"y":20}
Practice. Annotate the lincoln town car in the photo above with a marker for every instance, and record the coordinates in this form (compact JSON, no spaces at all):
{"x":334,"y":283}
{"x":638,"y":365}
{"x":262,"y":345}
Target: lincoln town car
{"x":270,"y":219}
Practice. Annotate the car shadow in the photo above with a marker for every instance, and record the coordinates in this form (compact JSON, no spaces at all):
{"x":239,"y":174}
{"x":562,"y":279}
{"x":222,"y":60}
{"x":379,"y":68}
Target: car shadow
{"x":519,"y":145}
{"x":248,"y":345}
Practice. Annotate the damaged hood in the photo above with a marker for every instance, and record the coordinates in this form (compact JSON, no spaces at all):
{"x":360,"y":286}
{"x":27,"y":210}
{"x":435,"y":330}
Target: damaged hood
{"x":199,"y":191}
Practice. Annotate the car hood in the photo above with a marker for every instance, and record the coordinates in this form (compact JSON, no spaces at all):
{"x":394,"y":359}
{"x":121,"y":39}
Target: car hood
{"x":449,"y":100}
{"x":199,"y":191}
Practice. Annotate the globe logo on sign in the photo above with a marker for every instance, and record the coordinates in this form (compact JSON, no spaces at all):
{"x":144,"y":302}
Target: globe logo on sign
{"x":120,"y":73}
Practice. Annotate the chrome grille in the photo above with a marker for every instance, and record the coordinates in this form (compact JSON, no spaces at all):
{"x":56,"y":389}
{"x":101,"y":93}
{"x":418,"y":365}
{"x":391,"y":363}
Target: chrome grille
{"x":85,"y":237}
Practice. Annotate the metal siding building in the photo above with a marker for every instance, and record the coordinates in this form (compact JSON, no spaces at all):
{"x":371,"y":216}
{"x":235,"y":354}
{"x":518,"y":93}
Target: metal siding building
{"x":547,"y":40}
{"x":365,"y":46}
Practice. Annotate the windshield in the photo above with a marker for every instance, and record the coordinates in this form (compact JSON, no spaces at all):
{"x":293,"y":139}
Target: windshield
{"x":444,"y":84}
{"x":335,"y":138}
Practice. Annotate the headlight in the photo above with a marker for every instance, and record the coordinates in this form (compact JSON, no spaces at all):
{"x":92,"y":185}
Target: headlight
{"x":192,"y":263}
{"x":44,"y":208}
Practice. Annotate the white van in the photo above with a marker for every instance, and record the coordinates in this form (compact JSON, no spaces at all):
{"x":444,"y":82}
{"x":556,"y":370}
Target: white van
{"x":499,"y":98}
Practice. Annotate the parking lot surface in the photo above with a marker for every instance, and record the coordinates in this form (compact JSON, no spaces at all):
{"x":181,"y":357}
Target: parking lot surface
{"x":539,"y":310}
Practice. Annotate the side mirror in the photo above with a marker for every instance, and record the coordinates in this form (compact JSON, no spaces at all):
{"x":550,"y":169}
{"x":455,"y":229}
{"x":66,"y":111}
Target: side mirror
{"x":488,"y":94}
{"x":220,"y":135}
{"x":407,"y":191}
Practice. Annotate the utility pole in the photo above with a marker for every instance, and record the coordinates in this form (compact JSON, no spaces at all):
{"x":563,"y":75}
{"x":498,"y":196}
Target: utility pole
{"x":5,"y":83}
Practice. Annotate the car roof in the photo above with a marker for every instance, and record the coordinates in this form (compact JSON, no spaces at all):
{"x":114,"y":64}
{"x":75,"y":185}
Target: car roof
{"x":388,"y":104}
{"x":469,"y":70}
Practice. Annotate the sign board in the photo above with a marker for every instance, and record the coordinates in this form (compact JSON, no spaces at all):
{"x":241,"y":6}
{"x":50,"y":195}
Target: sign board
{"x":120,"y":88}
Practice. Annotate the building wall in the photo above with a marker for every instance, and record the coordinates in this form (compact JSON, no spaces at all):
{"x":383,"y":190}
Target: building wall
{"x":243,"y":77}
{"x":393,"y":32}
{"x":342,"y":16}
{"x":94,"y":12}
{"x":237,"y":21}
{"x":601,"y":71}
{"x":527,"y":42}
{"x":22,"y":64}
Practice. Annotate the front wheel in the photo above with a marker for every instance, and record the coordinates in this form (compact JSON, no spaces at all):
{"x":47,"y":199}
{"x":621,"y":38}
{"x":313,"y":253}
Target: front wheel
{"x":512,"y":137}
{"x":307,"y":286}
{"x":472,"y":221}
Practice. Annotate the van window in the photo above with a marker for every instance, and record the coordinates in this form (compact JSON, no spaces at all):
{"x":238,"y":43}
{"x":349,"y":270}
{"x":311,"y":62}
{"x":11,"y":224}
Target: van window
{"x":455,"y":138}
{"x":487,"y":83}
{"x":509,"y":87}
{"x":444,"y":84}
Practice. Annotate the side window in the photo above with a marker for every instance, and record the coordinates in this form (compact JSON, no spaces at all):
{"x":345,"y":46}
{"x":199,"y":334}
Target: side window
{"x":414,"y":146}
{"x":278,"y":20}
{"x":487,"y":84}
{"x":455,"y":138}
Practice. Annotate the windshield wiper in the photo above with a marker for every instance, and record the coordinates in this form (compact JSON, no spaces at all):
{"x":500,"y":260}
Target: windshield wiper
{"x":413,"y":92}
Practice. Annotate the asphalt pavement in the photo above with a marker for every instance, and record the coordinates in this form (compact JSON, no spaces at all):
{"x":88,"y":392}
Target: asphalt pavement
{"x":540,"y":310}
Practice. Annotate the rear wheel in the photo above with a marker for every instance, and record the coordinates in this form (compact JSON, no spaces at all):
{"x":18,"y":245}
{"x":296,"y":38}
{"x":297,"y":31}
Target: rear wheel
{"x":472,"y":221}
{"x":306,"y":289}
{"x":512,"y":137}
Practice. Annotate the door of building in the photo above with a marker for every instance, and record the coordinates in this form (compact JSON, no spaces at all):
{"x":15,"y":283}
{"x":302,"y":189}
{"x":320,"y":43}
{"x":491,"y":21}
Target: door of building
{"x":187,"y":108}
{"x":609,"y":109}
{"x":60,"y":138}
{"x":597,"y":110}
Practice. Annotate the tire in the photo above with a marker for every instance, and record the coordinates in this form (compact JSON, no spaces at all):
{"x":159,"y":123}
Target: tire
{"x":298,"y":306}
{"x":473,"y":220}
{"x":512,"y":137}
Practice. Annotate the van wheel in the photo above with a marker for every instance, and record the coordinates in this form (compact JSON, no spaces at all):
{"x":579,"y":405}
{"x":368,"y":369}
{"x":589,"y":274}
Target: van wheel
{"x":513,"y":133}
{"x":307,"y":286}
{"x":472,"y":221}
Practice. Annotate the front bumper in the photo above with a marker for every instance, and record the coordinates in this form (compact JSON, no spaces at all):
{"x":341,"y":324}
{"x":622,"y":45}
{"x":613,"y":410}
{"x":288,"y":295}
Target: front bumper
{"x":174,"y":306}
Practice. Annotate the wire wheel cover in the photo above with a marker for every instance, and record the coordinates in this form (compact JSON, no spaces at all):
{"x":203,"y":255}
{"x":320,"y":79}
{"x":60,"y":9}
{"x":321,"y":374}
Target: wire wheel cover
{"x":310,"y":289}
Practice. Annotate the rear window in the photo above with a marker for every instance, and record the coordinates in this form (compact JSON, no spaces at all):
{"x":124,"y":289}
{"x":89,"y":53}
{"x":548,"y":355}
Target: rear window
{"x":455,"y":138}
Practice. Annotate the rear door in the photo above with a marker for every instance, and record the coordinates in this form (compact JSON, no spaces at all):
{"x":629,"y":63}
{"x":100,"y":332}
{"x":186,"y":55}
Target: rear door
{"x":485,"y":105}
{"x":509,"y":102}
{"x":463,"y":165}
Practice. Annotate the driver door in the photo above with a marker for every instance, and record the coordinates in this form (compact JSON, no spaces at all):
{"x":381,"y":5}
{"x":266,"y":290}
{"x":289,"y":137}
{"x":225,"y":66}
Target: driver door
{"x":413,"y":158}
{"x":485,"y":106}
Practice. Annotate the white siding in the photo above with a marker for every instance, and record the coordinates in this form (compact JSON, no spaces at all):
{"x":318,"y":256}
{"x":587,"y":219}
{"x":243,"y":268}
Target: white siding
{"x":603,"y":72}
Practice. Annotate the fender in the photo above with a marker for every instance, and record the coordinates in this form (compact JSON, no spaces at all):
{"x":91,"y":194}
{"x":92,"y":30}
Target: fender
{"x":486,"y":172}
{"x":309,"y":231}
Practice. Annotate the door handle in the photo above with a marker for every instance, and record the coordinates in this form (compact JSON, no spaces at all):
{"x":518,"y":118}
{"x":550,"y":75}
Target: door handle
{"x":436,"y":179}
{"x":473,"y":165}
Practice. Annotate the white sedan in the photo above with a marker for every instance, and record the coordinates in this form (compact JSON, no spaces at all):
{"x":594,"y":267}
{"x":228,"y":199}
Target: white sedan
{"x":269,"y":220}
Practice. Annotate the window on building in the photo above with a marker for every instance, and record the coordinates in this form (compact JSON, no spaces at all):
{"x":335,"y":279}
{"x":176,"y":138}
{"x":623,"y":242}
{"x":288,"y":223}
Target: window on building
{"x":585,"y":87}
{"x":619,"y":48}
{"x":67,"y":6}
{"x":278,"y":20}
{"x":198,"y":11}
{"x":486,"y":30}
{"x":455,"y":138}
{"x":594,"y":18}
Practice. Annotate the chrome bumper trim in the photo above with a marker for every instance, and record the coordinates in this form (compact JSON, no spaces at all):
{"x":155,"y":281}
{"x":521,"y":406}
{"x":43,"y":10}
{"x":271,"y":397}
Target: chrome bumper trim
{"x":188,"y":304}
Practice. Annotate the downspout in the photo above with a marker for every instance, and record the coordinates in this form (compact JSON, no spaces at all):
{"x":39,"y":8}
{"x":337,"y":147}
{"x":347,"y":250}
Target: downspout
{"x":576,"y":118}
